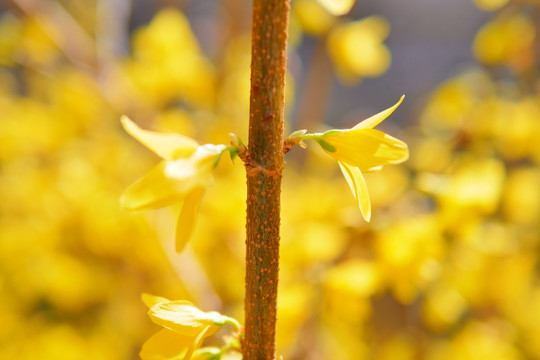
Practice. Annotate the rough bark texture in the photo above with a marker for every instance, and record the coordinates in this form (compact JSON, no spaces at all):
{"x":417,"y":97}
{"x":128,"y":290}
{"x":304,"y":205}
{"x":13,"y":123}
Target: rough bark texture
{"x":264,"y":165}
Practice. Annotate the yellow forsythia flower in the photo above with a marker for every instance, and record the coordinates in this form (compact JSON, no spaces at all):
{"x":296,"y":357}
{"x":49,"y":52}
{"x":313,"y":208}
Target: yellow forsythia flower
{"x":168,"y":63}
{"x":313,"y":17}
{"x":185,"y":325}
{"x":182,"y":175}
{"x":507,"y":40}
{"x":362,"y":149}
{"x":357,"y":49}
{"x":337,"y":7}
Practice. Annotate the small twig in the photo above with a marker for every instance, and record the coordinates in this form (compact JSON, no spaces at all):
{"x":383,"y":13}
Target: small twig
{"x":316,"y":88}
{"x":112,"y":29}
{"x":74,"y":42}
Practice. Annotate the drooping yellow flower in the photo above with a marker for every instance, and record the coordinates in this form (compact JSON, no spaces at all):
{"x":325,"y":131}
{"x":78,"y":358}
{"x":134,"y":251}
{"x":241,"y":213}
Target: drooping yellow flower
{"x":185,"y":325}
{"x":182,"y":175}
{"x":362,"y":149}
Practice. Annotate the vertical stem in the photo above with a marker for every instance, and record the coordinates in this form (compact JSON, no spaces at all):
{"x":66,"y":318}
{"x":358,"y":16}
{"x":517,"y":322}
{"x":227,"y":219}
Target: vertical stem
{"x":264,"y":164}
{"x":316,"y":89}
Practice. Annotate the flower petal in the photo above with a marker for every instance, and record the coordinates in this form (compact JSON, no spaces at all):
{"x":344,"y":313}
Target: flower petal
{"x":196,"y":343}
{"x":337,"y":7}
{"x":167,"y":145}
{"x":188,"y":217}
{"x":367,"y":148}
{"x":376,"y":119}
{"x":358,"y":186}
{"x":184,"y":318}
{"x":165,"y":345}
{"x":207,"y":353}
{"x":152,"y":191}
{"x":159,"y":188}
{"x":151,"y":300}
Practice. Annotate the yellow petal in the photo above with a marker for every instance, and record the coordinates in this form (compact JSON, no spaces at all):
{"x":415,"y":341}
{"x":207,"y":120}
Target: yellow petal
{"x":490,"y":5}
{"x":376,"y":119}
{"x":188,"y":217}
{"x":199,"y":165}
{"x":314,"y":19}
{"x":159,"y":188}
{"x":337,"y":7}
{"x":151,"y":300}
{"x":184,"y":318}
{"x":358,"y":186}
{"x":366,"y":149}
{"x":196,"y":343}
{"x":365,"y":37}
{"x":166,"y":145}
{"x":165,"y":345}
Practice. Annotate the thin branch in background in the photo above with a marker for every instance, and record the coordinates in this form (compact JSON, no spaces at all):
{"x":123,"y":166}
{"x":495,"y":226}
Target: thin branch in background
{"x":74,"y":42}
{"x":112,"y":30}
{"x":314,"y":96}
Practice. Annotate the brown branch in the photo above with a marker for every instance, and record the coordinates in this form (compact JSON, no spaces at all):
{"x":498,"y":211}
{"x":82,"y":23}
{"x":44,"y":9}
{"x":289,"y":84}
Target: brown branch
{"x":264,"y":164}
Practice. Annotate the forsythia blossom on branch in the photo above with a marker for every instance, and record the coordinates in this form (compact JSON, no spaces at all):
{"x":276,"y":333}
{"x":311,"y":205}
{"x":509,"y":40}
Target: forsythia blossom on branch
{"x":185,"y":328}
{"x":362,"y":149}
{"x":182,"y":175}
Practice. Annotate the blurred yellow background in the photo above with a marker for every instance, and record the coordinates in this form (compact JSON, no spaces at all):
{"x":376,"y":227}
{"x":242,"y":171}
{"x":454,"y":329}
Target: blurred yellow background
{"x":448,"y":268}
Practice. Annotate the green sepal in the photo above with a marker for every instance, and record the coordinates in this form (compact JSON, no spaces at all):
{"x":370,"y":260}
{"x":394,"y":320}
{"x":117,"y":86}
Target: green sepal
{"x":237,"y":141}
{"x":233,"y":152}
{"x":222,"y":320}
{"x":297,"y":133}
{"x":233,"y":322}
{"x":218,"y":319}
{"x":218,"y":158}
{"x":208,"y":353}
{"x":332,"y":132}
{"x":233,"y":343}
{"x":326,"y":145}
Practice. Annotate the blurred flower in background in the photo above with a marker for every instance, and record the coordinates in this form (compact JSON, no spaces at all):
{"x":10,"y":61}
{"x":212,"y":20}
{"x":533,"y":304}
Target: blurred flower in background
{"x":447,"y":267}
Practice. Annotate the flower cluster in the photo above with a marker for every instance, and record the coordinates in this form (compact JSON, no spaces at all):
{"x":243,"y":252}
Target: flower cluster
{"x":453,"y":237}
{"x":186,"y":168}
